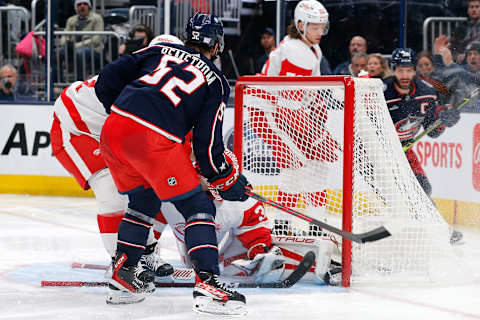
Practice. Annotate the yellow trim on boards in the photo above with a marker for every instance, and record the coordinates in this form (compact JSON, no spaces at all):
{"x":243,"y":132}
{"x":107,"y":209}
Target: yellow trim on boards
{"x":42,"y":185}
{"x":459,"y":212}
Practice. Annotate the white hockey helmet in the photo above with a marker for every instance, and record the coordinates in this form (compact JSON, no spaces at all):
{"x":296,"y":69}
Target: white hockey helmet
{"x":310,"y":11}
{"x":165,"y":38}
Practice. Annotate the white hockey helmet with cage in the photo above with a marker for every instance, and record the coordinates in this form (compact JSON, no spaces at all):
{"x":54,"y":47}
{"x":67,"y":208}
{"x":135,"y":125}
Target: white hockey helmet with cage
{"x":310,"y":11}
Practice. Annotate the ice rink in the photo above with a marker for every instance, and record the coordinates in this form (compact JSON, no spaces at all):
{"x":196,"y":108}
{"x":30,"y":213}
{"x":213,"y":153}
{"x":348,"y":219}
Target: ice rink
{"x":40,"y":237}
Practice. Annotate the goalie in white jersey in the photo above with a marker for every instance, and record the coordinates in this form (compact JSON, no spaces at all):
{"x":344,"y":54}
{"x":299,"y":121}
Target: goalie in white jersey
{"x":75,"y":134}
{"x":247,"y":250}
{"x":249,"y":253}
{"x":299,"y":53}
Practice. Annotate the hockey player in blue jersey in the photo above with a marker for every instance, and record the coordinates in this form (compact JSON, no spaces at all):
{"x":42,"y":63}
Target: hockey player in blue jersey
{"x":177,"y":89}
{"x":413,"y":104}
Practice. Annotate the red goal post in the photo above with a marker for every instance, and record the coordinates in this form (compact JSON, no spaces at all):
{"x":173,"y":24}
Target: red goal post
{"x":348,"y":142}
{"x":327,"y":146}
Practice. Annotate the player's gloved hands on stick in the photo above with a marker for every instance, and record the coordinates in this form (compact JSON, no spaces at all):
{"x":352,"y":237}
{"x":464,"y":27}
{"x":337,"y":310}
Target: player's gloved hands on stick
{"x":231,"y":185}
{"x":449,"y":116}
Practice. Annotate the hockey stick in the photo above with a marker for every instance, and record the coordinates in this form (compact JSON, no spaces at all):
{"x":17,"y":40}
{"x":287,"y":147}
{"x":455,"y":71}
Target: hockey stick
{"x":78,"y":265}
{"x":373,"y":235}
{"x":438,"y":122}
{"x":303,"y":267}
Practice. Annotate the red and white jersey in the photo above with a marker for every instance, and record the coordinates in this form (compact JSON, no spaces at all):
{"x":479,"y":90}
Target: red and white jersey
{"x":241,"y":228}
{"x":293,"y":57}
{"x":79,"y":110}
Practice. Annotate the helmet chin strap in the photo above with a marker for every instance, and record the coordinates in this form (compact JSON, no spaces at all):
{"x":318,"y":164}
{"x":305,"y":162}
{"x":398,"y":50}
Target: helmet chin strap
{"x":304,"y":33}
{"x":214,"y":53}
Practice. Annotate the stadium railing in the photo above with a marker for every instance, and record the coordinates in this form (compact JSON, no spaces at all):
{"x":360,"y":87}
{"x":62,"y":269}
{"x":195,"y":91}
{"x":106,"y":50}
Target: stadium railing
{"x":66,"y":64}
{"x":146,"y":15}
{"x":17,"y":22}
{"x":437,"y":26}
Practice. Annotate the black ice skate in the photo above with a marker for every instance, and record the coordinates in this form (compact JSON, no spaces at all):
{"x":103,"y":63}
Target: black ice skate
{"x":213,"y":297}
{"x":151,"y":260}
{"x":129,"y":284}
{"x":333,"y":277}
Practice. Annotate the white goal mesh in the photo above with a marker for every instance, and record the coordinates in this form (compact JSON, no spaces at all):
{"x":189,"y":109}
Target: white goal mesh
{"x":290,"y":135}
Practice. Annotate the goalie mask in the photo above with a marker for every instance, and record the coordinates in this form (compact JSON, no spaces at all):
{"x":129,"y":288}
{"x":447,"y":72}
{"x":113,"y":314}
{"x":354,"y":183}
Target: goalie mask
{"x":205,"y":29}
{"x":310,"y":11}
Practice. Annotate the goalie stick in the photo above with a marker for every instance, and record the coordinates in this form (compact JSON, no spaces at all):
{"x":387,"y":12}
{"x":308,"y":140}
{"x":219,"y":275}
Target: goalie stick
{"x":373,"y":235}
{"x":438,"y":122}
{"x":303,"y":267}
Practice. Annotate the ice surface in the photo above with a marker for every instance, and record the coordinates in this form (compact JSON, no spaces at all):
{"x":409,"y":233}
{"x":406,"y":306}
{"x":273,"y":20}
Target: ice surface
{"x":40,"y":237}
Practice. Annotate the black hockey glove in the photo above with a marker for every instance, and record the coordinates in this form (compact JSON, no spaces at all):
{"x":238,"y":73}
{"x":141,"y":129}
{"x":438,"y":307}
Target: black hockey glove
{"x":231,"y":185}
{"x":450,"y":116}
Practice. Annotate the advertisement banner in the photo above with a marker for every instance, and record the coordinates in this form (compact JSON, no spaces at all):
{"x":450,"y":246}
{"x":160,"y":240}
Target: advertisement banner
{"x":452,"y":161}
{"x":25,"y":141}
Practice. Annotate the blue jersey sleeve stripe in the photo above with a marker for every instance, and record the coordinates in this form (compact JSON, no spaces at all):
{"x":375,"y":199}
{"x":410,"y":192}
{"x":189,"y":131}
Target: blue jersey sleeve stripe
{"x":147,"y":124}
{"x":212,"y":136}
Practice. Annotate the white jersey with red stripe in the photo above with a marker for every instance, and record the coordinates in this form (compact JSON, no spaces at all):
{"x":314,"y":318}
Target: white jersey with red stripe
{"x":293,"y":57}
{"x":80,"y":111}
{"x":239,"y":225}
{"x":242,"y":227}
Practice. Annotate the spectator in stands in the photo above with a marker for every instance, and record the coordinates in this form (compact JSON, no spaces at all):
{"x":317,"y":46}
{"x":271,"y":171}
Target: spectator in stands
{"x":359,"y":63}
{"x":472,"y":54}
{"x":426,"y":71}
{"x":139,"y":37}
{"x":425,"y":64}
{"x":84,"y":47}
{"x":11,"y":88}
{"x":358,"y":44}
{"x":452,"y":81}
{"x":377,"y":66}
{"x":267,"y":41}
{"x":467,"y":32}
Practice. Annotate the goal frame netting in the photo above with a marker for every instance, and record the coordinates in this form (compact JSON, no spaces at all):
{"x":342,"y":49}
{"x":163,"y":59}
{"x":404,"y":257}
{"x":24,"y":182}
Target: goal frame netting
{"x":349,"y":86}
{"x":412,"y":214}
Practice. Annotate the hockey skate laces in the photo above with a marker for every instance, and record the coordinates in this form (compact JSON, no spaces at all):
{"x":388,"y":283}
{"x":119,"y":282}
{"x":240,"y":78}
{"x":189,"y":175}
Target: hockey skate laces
{"x":221,"y":285}
{"x":150,"y":261}
{"x":138,"y":271}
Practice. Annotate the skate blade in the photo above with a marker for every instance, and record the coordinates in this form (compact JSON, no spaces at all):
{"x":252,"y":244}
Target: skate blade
{"x":207,"y":305}
{"x":168,"y":279}
{"x":124,"y":297}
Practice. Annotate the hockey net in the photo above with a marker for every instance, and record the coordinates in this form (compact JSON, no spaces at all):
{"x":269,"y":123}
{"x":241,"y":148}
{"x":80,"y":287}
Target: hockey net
{"x":327,"y":147}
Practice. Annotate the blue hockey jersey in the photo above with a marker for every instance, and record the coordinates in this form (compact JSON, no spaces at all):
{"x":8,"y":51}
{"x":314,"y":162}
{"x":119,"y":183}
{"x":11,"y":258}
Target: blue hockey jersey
{"x":412,"y":111}
{"x":171,"y":89}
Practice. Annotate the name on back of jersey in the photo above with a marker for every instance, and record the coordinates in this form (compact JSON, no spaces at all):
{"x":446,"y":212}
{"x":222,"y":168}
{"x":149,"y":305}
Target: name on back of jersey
{"x":194,"y":59}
